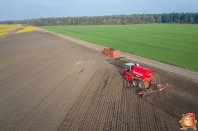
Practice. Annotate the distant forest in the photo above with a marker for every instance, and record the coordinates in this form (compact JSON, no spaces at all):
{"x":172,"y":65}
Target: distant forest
{"x":185,"y":18}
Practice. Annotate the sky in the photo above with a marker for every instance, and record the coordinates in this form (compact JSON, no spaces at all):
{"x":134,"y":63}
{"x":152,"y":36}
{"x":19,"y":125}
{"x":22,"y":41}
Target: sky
{"x":28,"y":9}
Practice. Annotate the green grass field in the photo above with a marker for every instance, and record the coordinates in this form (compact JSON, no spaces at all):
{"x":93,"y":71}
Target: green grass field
{"x":176,"y":44}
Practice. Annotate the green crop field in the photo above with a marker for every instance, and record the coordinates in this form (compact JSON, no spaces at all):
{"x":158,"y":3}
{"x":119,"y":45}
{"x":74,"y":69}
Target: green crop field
{"x":176,"y":44}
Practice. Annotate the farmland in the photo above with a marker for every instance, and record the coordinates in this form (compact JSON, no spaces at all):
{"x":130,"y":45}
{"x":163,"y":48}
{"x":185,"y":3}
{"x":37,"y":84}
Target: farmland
{"x":15,"y":28}
{"x":4,"y":29}
{"x":27,"y":29}
{"x":175,"y":44}
{"x":53,"y":83}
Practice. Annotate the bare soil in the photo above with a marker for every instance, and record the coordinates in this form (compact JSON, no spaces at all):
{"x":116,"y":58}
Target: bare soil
{"x":50,"y":82}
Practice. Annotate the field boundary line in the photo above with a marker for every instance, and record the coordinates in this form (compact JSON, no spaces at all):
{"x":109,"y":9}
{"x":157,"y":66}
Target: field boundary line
{"x":191,"y":75}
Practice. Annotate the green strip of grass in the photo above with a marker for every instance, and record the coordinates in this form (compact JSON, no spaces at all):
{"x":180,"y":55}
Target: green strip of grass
{"x":176,"y":44}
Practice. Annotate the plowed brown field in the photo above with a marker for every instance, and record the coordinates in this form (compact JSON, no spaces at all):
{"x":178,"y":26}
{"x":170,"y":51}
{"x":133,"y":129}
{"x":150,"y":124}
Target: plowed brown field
{"x":51,"y":83}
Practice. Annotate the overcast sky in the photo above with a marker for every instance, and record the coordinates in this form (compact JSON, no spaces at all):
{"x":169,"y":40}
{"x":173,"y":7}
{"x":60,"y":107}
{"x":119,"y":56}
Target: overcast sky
{"x":27,"y":9}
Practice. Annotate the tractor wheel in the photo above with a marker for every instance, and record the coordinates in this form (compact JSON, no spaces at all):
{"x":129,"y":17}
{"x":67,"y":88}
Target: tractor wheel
{"x":134,"y":83}
{"x":147,"y":84}
{"x":141,"y":85}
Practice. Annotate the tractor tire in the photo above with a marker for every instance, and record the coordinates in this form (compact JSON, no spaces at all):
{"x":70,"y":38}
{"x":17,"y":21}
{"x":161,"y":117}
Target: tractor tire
{"x":134,"y":83}
{"x":141,"y":85}
{"x":147,"y":85}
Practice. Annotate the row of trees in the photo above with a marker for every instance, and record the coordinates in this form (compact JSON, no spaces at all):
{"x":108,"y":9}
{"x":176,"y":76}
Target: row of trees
{"x":188,"y":18}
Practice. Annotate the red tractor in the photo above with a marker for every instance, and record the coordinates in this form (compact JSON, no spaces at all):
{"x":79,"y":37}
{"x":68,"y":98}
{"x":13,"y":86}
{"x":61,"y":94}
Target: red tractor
{"x":139,"y":76}
{"x":143,"y":78}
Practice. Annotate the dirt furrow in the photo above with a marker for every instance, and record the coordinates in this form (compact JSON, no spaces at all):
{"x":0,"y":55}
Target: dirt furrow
{"x":29,"y":64}
{"x":88,"y":121}
{"x":30,"y":95}
{"x":60,"y":89}
{"x":103,"y":101}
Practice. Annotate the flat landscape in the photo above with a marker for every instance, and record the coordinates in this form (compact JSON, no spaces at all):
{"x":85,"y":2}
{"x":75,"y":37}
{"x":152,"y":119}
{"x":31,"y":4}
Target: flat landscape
{"x":52,"y":83}
{"x":176,"y":44}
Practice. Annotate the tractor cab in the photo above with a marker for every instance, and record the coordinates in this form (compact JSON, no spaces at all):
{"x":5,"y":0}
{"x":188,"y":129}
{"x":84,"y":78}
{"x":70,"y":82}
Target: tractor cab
{"x":127,"y":68}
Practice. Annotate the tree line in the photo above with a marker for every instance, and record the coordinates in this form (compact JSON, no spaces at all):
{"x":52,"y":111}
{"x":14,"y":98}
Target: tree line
{"x":186,"y":18}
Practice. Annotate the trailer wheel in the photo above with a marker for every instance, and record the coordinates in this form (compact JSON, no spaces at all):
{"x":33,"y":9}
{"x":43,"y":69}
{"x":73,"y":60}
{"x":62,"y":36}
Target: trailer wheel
{"x":141,"y":85}
{"x":134,"y":83}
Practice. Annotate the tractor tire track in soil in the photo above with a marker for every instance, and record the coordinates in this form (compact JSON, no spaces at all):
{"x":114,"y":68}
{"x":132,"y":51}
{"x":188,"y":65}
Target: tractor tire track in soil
{"x":52,"y":83}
